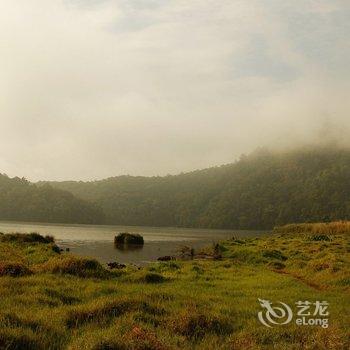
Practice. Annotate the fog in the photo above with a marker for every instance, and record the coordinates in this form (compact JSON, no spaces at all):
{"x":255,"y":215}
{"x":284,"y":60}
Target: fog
{"x":92,"y":89}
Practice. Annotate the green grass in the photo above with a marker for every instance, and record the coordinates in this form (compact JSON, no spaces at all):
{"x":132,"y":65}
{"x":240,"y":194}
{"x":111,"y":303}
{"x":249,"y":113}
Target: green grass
{"x":69,"y":302}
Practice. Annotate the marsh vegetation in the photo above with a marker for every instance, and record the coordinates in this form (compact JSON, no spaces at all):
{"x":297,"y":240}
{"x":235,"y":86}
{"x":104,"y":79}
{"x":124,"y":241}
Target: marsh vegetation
{"x":52,"y":300}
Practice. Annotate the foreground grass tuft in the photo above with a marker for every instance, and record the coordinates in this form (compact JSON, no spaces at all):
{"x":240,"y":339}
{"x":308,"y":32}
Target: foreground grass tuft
{"x":195,"y":325}
{"x":98,"y":311}
{"x":14,"y":269}
{"x":77,"y":266}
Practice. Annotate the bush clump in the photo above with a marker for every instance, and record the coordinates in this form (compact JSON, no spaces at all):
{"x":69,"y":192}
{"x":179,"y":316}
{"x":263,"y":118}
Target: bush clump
{"x":56,"y":248}
{"x":26,"y":238}
{"x":77,"y":266}
{"x":14,"y":269}
{"x":128,"y":238}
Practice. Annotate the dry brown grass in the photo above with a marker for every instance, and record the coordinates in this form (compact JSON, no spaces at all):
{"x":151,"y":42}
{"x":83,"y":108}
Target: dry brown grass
{"x":14,"y":269}
{"x":328,"y":228}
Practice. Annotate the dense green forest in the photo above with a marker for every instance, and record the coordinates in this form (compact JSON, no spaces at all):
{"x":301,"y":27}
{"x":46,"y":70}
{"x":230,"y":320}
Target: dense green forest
{"x":23,"y":201}
{"x":258,"y":191}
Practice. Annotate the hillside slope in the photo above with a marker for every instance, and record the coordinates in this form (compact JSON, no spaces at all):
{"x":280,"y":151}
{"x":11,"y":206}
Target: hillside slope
{"x":259,"y":191}
{"x":20,"y":200}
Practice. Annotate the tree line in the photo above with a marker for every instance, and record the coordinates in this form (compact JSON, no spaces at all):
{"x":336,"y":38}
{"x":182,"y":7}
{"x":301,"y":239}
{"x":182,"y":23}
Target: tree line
{"x":258,"y":191}
{"x":21,"y":200}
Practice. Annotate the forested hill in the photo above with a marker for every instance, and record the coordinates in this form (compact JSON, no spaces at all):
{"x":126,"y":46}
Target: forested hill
{"x":23,"y":201}
{"x":257,"y":192}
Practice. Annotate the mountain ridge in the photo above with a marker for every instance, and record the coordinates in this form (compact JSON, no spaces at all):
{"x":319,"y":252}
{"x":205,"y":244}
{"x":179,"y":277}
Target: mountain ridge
{"x":21,"y":200}
{"x":259,"y":191}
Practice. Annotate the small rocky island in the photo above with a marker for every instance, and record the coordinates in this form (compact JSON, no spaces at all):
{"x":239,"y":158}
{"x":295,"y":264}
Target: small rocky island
{"x":126,"y":238}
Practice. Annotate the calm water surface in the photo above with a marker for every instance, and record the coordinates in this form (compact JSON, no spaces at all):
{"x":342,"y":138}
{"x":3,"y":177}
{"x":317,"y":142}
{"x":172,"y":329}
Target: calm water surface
{"x":97,"y":241}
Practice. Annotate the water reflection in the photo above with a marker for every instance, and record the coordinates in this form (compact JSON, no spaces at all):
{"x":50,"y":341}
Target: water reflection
{"x":127,"y":247}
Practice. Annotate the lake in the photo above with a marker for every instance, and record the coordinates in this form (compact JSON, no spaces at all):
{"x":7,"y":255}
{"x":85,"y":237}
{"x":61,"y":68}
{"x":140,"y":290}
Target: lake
{"x":98,"y":241}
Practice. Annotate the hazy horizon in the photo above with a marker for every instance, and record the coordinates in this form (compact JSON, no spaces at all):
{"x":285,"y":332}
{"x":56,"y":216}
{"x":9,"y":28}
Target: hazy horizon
{"x":99,"y":88}
{"x":284,"y":151}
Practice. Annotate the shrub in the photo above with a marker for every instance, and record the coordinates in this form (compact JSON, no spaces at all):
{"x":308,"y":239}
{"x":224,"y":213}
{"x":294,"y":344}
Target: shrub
{"x":128,"y":238}
{"x":56,"y":248}
{"x":14,"y":269}
{"x":26,"y":238}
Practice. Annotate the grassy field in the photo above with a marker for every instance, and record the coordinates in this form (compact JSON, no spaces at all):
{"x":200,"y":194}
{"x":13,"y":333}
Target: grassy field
{"x":52,"y":300}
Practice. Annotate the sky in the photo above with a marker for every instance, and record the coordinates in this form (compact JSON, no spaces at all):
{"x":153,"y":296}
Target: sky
{"x":96,"y":88}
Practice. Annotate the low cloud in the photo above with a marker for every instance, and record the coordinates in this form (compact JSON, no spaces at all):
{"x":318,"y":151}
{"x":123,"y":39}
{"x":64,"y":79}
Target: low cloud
{"x":92,"y":89}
